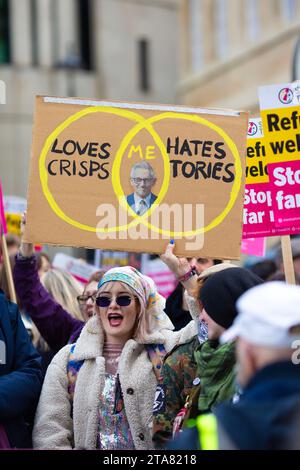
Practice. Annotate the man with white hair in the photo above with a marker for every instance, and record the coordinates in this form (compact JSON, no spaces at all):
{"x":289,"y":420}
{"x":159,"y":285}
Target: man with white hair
{"x":142,"y":179}
{"x":267,"y":334}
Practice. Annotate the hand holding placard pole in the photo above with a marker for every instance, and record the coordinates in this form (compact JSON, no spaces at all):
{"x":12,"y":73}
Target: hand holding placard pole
{"x":288,"y":259}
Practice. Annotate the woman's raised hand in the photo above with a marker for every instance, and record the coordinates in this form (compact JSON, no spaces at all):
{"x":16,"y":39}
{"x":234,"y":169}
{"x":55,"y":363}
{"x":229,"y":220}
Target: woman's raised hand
{"x":26,"y":249}
{"x":178,"y":266}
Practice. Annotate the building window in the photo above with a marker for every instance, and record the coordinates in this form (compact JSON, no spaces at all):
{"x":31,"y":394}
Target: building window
{"x":54,"y":35}
{"x":252,"y":19}
{"x":221,"y":31}
{"x":289,"y":8}
{"x":276,"y":8}
{"x":4,"y":32}
{"x":34,"y":32}
{"x":85,"y":34}
{"x":143,"y":61}
{"x":196,"y":46}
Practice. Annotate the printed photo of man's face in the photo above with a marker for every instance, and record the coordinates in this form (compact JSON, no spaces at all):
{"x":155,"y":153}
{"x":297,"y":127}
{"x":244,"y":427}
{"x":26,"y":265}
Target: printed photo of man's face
{"x":142,"y":181}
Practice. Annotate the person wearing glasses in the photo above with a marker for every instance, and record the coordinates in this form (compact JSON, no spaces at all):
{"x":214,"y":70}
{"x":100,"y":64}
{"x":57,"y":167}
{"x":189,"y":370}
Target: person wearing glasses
{"x":115,"y":365}
{"x":177,"y":308}
{"x":142,"y":179}
{"x":54,"y":319}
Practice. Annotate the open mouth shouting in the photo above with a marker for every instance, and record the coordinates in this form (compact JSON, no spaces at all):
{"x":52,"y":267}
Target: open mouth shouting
{"x":118,"y":310}
{"x":115,"y":319}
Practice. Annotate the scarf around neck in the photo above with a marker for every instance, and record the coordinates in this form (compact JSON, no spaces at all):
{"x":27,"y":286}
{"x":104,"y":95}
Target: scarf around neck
{"x":215,"y":368}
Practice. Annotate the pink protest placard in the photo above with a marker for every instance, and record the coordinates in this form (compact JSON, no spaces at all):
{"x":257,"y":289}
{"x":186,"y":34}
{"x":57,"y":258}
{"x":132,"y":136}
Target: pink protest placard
{"x":162,"y":276}
{"x":278,"y":143}
{"x":258,"y":215}
{"x":254,"y":246}
{"x":285,"y":189}
{"x":2,"y":215}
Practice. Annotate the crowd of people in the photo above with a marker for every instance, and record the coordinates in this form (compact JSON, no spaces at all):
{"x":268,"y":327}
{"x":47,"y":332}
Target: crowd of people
{"x":113,"y":365}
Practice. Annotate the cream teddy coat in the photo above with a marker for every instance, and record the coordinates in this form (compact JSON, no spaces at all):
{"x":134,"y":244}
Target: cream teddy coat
{"x":55,"y":429}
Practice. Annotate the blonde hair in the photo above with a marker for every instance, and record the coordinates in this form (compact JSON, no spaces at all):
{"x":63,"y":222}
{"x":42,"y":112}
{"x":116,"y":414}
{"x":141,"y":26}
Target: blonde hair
{"x":142,"y":324}
{"x":64,"y":289}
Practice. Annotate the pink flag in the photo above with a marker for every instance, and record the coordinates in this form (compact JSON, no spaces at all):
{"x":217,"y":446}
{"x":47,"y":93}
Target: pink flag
{"x":2,"y":215}
{"x":254,"y":246}
{"x":285,"y":189}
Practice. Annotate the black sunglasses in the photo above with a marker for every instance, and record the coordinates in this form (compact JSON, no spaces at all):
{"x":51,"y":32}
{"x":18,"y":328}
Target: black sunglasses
{"x":121,"y":300}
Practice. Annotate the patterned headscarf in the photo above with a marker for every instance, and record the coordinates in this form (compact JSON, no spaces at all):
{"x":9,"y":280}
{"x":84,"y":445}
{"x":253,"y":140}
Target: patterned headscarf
{"x":146,"y":291}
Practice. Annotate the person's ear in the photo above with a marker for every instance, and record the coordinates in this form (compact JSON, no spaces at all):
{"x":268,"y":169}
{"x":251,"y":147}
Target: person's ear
{"x":251,"y":357}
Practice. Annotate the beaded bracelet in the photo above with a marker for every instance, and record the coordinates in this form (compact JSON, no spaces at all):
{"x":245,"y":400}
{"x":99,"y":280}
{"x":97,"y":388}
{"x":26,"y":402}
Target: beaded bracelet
{"x":188,"y":275}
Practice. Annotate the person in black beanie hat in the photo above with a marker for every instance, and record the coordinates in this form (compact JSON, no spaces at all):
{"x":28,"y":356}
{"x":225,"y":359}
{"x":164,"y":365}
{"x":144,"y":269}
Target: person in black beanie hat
{"x":218,"y":297}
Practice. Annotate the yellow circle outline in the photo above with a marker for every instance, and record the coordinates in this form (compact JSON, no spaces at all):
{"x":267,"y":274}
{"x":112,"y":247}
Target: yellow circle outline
{"x":42,"y":167}
{"x":115,"y":174}
{"x":199,"y":120}
{"x":142,"y":124}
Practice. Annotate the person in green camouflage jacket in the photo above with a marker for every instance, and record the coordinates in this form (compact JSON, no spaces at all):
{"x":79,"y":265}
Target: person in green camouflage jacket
{"x":195,"y":377}
{"x":178,"y":374}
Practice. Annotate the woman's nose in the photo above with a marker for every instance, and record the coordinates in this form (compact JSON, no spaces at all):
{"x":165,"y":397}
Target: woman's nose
{"x":113,"y":303}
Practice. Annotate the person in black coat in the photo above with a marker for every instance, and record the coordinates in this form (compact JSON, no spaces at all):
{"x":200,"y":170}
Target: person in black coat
{"x":267,"y":414}
{"x":20,"y":378}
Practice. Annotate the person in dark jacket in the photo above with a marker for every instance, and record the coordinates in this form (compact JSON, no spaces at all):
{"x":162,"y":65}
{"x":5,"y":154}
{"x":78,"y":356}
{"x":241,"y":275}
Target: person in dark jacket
{"x":54,"y":323}
{"x":20,"y":378}
{"x":268,"y":333}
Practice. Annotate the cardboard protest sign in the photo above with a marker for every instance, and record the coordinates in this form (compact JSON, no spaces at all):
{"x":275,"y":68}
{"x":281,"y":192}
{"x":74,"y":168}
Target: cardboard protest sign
{"x":2,"y":216}
{"x":258,"y":214}
{"x":130,"y":177}
{"x":285,"y":191}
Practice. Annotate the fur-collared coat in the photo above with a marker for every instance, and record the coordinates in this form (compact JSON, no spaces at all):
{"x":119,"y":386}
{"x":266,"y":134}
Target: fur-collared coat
{"x":55,"y":429}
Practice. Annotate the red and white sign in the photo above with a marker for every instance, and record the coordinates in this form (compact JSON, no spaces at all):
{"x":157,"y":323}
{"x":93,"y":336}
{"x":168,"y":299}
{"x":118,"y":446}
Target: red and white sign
{"x":285,"y":189}
{"x":259,"y":214}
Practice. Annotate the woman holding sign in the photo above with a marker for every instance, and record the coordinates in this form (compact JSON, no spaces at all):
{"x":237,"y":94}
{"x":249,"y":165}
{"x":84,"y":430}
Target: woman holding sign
{"x":55,"y":320}
{"x":115,"y":364}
